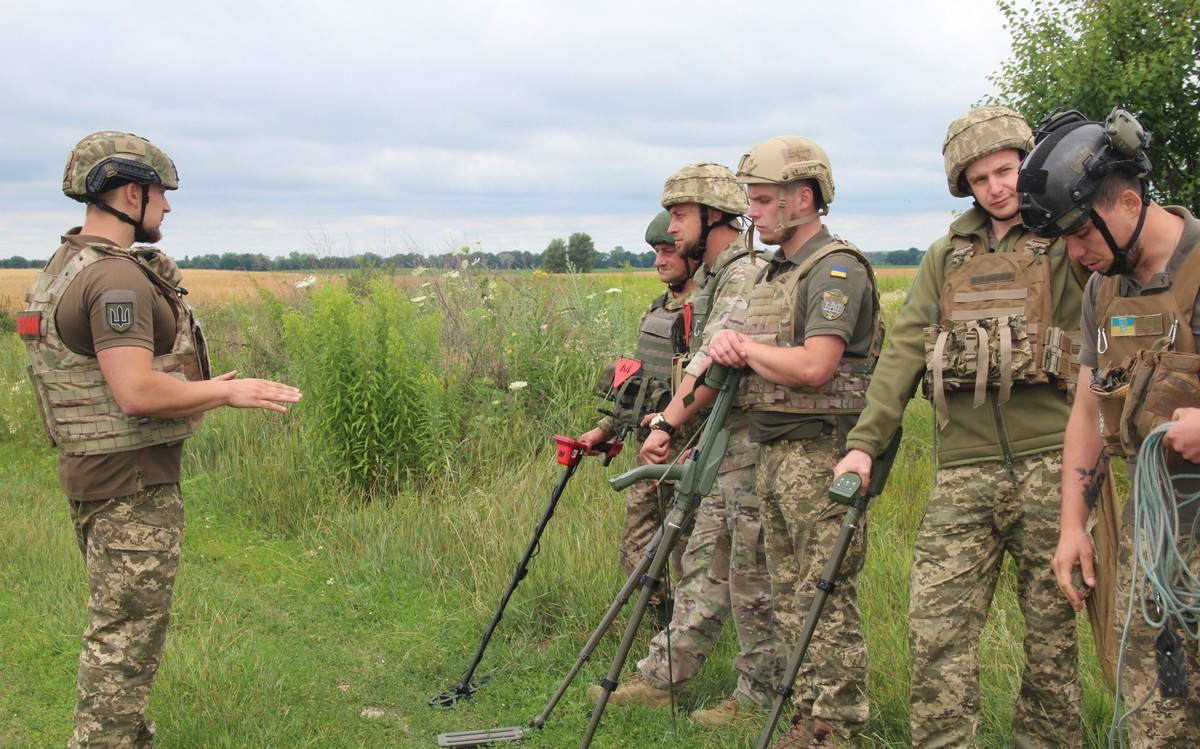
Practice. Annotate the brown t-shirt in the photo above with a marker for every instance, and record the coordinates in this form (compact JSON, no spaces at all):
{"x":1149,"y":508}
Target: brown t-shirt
{"x":84,"y":328}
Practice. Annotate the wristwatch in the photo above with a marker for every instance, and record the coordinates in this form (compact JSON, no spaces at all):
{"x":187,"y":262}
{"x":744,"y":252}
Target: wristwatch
{"x":658,"y":422}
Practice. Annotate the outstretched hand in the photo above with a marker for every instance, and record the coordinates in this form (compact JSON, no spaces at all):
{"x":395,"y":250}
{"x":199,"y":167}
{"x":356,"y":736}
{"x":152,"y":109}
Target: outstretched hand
{"x":254,"y":393}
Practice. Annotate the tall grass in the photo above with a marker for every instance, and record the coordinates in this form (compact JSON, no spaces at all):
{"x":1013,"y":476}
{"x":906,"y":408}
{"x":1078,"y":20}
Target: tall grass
{"x":335,"y":578}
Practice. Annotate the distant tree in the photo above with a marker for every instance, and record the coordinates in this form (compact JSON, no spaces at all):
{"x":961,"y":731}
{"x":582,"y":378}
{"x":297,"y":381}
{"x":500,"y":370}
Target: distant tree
{"x":1092,"y":55}
{"x":911,"y":256}
{"x":554,"y":259}
{"x":581,"y":251}
{"x":619,"y":256}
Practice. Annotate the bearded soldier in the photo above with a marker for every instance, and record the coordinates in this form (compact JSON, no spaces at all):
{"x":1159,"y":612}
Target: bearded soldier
{"x":662,"y":353}
{"x":990,"y":323}
{"x":120,"y":375}
{"x":1086,"y":182}
{"x":724,"y":568}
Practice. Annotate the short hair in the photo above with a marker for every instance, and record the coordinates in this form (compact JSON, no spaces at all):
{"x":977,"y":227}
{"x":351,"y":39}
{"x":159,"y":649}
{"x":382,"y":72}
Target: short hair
{"x":1113,"y":185}
{"x":794,"y":187}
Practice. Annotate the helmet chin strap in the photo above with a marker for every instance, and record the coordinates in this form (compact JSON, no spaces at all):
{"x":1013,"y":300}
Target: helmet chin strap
{"x":139,"y":231}
{"x":1120,"y":261}
{"x":702,"y":245}
{"x":781,"y":225}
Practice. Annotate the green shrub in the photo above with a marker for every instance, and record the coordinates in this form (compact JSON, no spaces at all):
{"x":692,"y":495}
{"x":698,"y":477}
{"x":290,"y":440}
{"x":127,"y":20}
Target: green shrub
{"x":371,"y":374}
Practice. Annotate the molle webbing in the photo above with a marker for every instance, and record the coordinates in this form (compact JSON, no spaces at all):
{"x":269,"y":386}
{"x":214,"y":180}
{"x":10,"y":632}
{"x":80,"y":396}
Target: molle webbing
{"x":994,"y":325}
{"x":1146,"y":357}
{"x":771,"y":319}
{"x":78,"y":409}
{"x":656,"y":345}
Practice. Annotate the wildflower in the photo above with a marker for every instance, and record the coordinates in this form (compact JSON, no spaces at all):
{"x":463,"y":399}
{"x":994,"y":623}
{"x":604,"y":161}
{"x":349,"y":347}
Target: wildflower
{"x":518,"y":385}
{"x":452,"y":274}
{"x":613,"y":290}
{"x":512,"y":334}
{"x":419,"y":271}
{"x":418,"y":299}
{"x":305,"y":283}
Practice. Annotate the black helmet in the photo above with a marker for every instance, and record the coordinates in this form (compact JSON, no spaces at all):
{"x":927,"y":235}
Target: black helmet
{"x":1060,"y":177}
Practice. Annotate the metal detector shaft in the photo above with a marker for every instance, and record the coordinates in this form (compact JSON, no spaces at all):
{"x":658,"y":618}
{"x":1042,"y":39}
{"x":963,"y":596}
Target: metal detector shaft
{"x":623,"y":596}
{"x":700,"y":471}
{"x":570,"y":453}
{"x":845,"y":490}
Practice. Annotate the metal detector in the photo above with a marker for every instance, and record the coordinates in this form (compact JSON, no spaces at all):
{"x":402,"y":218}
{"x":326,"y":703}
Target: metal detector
{"x":569,"y":453}
{"x":693,"y":480}
{"x":699,"y":473}
{"x":845,"y":490}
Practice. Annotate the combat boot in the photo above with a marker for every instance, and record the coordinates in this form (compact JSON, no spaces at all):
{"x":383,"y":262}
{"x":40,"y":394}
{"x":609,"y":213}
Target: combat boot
{"x":634,"y":691}
{"x":796,"y":738}
{"x":823,"y":735}
{"x":725,"y":711}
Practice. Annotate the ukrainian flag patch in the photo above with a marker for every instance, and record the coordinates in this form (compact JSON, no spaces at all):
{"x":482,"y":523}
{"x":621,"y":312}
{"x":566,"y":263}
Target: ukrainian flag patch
{"x":838,"y":271}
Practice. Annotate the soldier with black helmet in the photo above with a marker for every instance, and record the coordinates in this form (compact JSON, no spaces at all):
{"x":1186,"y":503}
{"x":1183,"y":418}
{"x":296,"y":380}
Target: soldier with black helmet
{"x":1087,"y":182}
{"x":120,"y":375}
{"x":724,"y":568}
{"x":988,"y":328}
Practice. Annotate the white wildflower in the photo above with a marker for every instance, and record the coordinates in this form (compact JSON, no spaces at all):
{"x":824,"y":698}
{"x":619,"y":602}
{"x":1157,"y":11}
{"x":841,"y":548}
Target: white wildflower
{"x":305,"y":283}
{"x":452,"y":274}
{"x":518,"y":385}
{"x":419,"y":271}
{"x":613,"y":290}
{"x":418,"y":299}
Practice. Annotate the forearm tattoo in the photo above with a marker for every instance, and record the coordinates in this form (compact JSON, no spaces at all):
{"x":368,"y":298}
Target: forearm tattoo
{"x":1093,"y":478}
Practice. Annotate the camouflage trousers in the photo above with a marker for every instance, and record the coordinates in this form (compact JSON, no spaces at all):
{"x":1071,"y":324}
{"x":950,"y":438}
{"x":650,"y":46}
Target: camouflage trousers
{"x":131,"y":548}
{"x":975,"y":514}
{"x":802,"y":524}
{"x":1154,"y":720}
{"x":724,"y":571}
{"x":644,"y":502}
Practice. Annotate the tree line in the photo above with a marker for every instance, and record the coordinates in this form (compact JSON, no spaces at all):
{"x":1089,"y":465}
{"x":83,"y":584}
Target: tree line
{"x":574,"y":255}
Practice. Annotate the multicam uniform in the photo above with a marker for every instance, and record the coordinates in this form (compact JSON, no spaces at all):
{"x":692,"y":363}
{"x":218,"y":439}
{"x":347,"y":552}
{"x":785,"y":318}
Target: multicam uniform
{"x":121,"y":474}
{"x":661,"y":347}
{"x":1128,"y":317}
{"x":999,"y":466}
{"x":824,"y":289}
{"x":724,"y":567}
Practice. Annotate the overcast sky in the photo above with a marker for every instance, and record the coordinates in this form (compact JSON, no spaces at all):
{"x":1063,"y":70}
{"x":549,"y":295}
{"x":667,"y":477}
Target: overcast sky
{"x":356,"y":126}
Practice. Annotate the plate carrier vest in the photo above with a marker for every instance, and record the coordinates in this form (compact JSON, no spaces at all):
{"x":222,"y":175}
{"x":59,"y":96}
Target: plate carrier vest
{"x":1146,"y":356}
{"x":993,"y":327}
{"x":79,"y":413}
{"x":770,"y":319}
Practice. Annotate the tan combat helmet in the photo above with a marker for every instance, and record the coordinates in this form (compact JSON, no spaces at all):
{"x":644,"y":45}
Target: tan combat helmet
{"x":784,"y":160}
{"x":982,"y":131}
{"x":108,"y":159}
{"x":708,"y":184}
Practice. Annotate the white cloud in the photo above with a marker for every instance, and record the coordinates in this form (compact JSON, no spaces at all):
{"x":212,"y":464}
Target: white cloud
{"x":383,"y":124}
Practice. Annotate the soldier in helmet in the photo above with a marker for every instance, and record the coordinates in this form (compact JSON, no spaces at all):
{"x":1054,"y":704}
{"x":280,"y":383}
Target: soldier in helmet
{"x":662,"y":351}
{"x":1086,"y":183}
{"x":989,"y":327}
{"x":120,"y":375}
{"x":724,"y":566}
{"x":809,"y":340}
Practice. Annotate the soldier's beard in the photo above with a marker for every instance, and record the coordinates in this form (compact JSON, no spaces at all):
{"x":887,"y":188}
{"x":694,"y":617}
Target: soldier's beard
{"x":142,"y":235}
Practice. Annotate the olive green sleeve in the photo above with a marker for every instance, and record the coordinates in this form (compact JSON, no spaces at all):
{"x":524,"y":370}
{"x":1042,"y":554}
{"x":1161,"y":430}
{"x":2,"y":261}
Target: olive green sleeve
{"x":902,"y":362}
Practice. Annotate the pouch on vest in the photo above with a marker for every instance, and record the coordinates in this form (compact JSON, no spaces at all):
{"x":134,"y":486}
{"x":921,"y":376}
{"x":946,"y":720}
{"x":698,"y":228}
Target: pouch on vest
{"x":1159,"y":383}
{"x":1110,"y":386}
{"x":632,"y":396}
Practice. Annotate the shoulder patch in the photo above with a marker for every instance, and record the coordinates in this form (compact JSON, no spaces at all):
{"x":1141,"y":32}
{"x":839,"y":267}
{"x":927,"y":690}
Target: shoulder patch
{"x":120,"y":310}
{"x":833,"y":303}
{"x":838,"y":271}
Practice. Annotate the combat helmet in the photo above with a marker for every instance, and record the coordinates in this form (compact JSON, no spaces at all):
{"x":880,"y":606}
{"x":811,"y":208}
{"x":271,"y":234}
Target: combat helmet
{"x":656,"y":232}
{"x":785,"y":159}
{"x":978,"y":133}
{"x":1061,"y":176}
{"x":708,"y":184}
{"x":108,"y":159}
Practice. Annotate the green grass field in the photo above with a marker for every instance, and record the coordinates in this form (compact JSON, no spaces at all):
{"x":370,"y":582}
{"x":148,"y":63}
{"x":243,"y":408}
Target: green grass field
{"x":329,"y":588}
